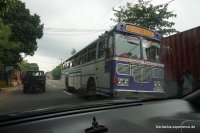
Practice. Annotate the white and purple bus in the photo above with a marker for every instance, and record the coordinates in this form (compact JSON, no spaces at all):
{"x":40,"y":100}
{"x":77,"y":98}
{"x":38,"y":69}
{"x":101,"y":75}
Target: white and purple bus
{"x":123,"y":61}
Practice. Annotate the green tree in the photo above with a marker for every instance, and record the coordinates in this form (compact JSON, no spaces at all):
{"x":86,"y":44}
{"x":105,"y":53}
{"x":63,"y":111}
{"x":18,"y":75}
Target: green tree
{"x":26,"y":28}
{"x":73,"y":51}
{"x":56,"y":72}
{"x":24,"y":65}
{"x":34,"y":66}
{"x":9,"y":50}
{"x":18,"y":32}
{"x":5,"y":5}
{"x":147,"y":15}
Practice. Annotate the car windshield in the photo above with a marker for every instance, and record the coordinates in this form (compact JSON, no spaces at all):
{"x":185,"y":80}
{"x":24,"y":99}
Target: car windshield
{"x":35,"y":73}
{"x":82,"y":52}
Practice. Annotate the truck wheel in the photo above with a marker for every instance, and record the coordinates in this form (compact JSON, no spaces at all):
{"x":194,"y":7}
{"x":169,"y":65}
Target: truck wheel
{"x":43,"y":88}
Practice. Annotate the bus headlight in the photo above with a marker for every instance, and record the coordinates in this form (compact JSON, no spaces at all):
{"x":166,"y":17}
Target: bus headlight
{"x":158,"y":86}
{"x":156,"y":83}
{"x":123,"y":81}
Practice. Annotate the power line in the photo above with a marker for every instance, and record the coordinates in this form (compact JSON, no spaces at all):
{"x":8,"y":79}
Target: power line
{"x":71,"y":34}
{"x":101,"y":21}
{"x":45,"y":67}
{"x":73,"y":30}
{"x":169,"y":1}
{"x":43,"y":61}
{"x":109,"y":11}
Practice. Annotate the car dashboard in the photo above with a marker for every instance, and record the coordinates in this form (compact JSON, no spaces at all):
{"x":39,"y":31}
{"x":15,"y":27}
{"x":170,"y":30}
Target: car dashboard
{"x":163,"y":116}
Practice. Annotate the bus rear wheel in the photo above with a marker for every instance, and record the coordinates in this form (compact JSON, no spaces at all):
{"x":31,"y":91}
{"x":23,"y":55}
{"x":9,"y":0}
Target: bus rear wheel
{"x":91,"y":88}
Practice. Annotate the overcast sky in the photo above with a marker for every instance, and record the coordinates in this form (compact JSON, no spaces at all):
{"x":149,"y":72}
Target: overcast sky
{"x":61,"y":16}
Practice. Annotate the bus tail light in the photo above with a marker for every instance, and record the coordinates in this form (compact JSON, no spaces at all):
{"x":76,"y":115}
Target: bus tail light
{"x":114,"y":80}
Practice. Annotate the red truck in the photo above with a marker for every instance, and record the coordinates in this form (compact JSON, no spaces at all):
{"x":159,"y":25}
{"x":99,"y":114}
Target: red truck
{"x":181,"y":57}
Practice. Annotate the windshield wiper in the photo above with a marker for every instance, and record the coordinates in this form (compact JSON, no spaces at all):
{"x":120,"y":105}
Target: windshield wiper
{"x":133,"y":47}
{"x":133,"y":43}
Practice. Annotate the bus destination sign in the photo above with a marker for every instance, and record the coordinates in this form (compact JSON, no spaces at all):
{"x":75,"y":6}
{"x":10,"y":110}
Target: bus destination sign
{"x":139,"y":30}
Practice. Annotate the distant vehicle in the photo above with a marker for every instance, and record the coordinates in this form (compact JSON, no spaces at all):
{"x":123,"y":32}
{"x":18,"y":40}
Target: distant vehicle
{"x":34,"y":80}
{"x":125,"y":60}
{"x":181,"y":54}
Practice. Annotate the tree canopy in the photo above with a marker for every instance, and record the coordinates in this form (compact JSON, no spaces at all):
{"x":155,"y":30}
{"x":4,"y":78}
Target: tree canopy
{"x":25,"y":66}
{"x":147,"y":15}
{"x":5,"y":5}
{"x":9,"y":50}
{"x":56,"y":72}
{"x":19,"y":31}
{"x":73,"y":51}
{"x":26,"y":28}
{"x":34,"y":66}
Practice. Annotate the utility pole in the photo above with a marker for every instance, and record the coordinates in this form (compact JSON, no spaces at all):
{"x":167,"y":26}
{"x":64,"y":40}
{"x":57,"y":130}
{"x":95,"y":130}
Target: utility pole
{"x":120,"y":15}
{"x":169,"y":1}
{"x":61,"y":70}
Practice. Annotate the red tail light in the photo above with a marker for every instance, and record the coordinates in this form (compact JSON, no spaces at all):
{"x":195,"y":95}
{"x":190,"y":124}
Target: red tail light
{"x":114,"y":80}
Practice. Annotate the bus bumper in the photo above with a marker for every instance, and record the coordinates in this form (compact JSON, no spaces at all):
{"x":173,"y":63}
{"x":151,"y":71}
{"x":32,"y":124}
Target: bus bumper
{"x":138,"y":94}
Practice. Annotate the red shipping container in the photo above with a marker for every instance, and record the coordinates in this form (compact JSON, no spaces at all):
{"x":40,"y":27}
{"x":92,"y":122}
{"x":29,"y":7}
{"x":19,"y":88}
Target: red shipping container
{"x":180,"y":54}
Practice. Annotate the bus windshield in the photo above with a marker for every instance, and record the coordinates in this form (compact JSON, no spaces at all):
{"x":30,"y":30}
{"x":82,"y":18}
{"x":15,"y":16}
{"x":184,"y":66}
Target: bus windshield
{"x":151,"y":50}
{"x":127,"y":46}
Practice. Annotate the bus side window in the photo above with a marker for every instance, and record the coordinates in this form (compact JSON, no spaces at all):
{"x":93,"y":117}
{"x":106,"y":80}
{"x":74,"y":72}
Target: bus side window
{"x":91,"y":55}
{"x":75,"y":60}
{"x":66,"y":66}
{"x":109,"y":48}
{"x":70,"y":64}
{"x":73,"y":63}
{"x":101,"y":48}
{"x":82,"y":59}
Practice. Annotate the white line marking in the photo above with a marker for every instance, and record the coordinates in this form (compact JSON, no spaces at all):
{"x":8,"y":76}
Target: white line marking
{"x":67,"y":93}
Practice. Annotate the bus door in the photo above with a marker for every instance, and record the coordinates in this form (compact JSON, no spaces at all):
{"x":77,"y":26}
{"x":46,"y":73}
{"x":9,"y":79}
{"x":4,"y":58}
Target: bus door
{"x":102,"y":78}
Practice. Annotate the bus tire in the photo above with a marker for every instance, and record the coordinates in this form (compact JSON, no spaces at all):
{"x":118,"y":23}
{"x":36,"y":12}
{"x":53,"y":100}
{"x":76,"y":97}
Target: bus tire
{"x":91,"y":89}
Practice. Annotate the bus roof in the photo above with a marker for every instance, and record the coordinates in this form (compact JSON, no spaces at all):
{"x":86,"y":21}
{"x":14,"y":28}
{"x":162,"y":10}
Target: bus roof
{"x":126,"y":28}
{"x":101,"y":36}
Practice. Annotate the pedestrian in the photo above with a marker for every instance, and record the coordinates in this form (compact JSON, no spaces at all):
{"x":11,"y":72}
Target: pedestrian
{"x":187,"y":83}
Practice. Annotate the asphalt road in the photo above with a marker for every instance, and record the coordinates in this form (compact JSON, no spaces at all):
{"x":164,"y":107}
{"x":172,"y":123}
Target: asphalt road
{"x":14,"y":100}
